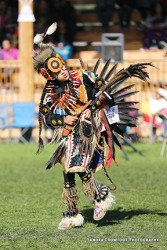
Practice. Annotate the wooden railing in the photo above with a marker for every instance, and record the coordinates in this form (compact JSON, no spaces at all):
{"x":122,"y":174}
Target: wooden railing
{"x":10,"y":84}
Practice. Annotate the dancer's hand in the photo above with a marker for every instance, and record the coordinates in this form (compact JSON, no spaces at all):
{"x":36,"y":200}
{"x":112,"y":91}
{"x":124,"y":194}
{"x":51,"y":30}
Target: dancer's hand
{"x":70,"y":120}
{"x":87,"y":113}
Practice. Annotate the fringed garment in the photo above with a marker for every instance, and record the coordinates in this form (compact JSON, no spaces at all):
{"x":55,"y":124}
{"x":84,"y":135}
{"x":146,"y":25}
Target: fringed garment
{"x":80,"y":149}
{"x":85,"y":146}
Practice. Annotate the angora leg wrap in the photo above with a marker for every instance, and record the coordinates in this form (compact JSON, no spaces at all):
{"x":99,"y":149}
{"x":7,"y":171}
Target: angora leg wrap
{"x":89,"y":187}
{"x":73,"y":221}
{"x":71,"y":218}
{"x":70,"y":197}
{"x":77,"y":221}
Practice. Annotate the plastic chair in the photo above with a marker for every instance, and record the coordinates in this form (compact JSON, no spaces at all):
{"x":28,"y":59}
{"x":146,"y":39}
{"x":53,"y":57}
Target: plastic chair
{"x":24,"y":118}
{"x":4,"y":115}
{"x":164,"y":143}
{"x":4,"y":118}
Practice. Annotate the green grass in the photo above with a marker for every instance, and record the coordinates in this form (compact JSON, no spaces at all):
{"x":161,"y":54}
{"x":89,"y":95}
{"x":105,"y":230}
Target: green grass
{"x":30,"y":208}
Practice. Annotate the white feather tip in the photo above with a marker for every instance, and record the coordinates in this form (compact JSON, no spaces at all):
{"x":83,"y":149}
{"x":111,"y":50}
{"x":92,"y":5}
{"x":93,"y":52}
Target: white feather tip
{"x":38,"y":38}
{"x":52,"y":28}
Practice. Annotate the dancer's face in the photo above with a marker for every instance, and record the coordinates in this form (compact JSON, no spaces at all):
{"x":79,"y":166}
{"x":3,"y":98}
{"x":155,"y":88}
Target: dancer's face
{"x":63,"y":75}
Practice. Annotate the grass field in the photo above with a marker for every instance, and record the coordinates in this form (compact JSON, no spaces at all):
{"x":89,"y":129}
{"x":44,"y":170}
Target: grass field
{"x":30,"y":207}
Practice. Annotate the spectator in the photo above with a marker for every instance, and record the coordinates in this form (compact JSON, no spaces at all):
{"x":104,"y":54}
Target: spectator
{"x":163,"y":112}
{"x":125,"y":8}
{"x":64,"y":50}
{"x":158,"y":105}
{"x":155,"y":27}
{"x":62,"y":34}
{"x":44,"y":14}
{"x":7,"y":52}
{"x":63,"y":40}
{"x":8,"y":19}
{"x":3,"y":11}
{"x":104,"y":10}
{"x":158,"y":19}
{"x":145,"y":7}
{"x":67,"y":14}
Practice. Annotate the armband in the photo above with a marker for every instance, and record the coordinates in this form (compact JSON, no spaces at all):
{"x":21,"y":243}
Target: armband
{"x":54,"y":120}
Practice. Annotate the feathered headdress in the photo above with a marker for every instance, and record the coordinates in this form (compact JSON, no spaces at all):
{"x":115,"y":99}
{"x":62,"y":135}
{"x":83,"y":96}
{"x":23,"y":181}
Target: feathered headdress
{"x":46,"y":61}
{"x":46,"y":52}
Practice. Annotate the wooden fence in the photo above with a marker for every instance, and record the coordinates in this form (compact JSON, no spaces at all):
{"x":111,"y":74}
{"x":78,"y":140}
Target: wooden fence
{"x":10,"y":83}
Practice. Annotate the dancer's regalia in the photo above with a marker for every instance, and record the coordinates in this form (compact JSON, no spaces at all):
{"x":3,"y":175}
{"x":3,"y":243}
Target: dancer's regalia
{"x":87,"y":146}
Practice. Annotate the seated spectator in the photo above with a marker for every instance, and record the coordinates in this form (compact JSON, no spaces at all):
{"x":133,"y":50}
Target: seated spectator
{"x":44,"y":14}
{"x":8,"y":52}
{"x":144,"y":116}
{"x":3,"y":19}
{"x":158,"y":105}
{"x":152,"y":106}
{"x":65,"y":51}
{"x":158,"y":19}
{"x":62,"y":33}
{"x":8,"y":18}
{"x":145,"y":7}
{"x":63,"y":40}
{"x":163,"y":112}
{"x":125,"y":12}
{"x":104,"y":10}
{"x":155,"y":27}
{"x":66,"y":13}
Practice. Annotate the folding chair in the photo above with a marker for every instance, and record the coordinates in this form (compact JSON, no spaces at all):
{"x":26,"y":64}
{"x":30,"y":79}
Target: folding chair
{"x":24,"y":118}
{"x":4,"y":115}
{"x":4,"y":118}
{"x":164,"y":143}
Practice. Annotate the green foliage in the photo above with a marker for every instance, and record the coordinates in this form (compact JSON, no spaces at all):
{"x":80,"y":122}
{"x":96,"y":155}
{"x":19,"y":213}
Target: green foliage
{"x":30,"y":207}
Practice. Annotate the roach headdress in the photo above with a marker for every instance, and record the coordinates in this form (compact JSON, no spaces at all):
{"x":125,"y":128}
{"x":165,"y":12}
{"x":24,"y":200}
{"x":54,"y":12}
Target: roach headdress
{"x":46,"y":60}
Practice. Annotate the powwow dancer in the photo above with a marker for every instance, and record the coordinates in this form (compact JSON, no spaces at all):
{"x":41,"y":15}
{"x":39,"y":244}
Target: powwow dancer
{"x":79,"y":105}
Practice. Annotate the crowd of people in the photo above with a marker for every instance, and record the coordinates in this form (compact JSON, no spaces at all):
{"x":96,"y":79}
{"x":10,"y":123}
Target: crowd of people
{"x":45,"y":12}
{"x":153,"y":18}
{"x":153,"y":21}
{"x":153,"y":114}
